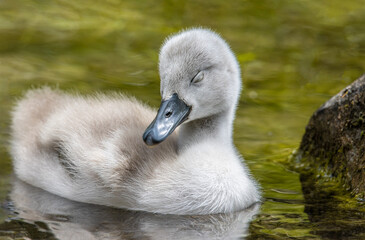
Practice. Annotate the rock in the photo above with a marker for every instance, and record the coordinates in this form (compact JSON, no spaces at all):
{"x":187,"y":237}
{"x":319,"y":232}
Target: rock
{"x":334,"y":141}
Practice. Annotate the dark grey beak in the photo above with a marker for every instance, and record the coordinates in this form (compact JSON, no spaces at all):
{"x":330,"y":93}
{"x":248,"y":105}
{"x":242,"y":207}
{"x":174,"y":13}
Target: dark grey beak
{"x":171,"y":114}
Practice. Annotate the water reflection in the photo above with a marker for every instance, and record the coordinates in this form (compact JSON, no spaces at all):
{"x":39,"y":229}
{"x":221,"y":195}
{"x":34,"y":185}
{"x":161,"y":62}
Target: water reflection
{"x":67,"y":219}
{"x":333,"y":216}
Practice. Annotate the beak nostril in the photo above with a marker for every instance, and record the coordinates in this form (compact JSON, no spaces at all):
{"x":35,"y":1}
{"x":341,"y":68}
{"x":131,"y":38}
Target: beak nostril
{"x":168,"y":114}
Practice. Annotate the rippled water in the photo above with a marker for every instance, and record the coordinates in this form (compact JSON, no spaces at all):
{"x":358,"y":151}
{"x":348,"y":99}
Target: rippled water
{"x":294,"y":55}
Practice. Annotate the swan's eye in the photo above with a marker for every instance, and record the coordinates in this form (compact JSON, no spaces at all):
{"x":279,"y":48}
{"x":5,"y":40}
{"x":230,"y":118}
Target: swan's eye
{"x":198,"y":77}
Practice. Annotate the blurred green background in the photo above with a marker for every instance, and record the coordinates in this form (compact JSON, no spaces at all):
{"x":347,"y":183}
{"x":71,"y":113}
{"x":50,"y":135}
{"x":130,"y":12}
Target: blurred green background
{"x":294,"y":56}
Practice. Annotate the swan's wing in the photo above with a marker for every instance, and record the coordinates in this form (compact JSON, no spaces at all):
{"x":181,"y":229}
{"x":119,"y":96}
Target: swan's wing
{"x":86,"y":149}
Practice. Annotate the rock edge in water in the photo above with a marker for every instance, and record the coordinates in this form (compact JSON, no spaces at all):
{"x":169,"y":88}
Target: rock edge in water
{"x":334,"y":139}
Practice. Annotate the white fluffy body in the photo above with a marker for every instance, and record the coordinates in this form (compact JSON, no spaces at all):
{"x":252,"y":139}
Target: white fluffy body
{"x":90,"y":149}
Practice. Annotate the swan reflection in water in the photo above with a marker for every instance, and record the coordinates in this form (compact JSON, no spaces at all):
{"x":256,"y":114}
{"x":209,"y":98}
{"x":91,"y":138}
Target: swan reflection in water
{"x":74,"y":220}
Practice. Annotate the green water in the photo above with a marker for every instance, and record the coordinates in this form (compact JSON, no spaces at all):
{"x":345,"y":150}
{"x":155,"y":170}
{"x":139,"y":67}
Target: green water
{"x":294,"y":56}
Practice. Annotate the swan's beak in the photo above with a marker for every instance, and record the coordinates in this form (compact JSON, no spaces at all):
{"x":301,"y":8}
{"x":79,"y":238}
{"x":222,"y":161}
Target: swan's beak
{"x":171,"y":114}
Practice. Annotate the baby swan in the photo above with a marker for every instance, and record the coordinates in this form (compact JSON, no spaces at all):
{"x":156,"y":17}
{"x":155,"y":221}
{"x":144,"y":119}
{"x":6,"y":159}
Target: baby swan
{"x":90,"y":149}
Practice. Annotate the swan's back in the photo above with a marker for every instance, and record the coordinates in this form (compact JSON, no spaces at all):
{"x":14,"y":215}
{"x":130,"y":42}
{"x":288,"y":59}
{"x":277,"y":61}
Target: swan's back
{"x":78,"y":146}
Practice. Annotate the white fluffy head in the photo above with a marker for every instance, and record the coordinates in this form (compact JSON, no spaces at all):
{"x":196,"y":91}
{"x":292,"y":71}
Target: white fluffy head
{"x":199,"y":66}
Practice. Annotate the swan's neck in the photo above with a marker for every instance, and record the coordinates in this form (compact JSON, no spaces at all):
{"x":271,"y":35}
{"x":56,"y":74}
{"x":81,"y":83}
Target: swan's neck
{"x":217,"y":127}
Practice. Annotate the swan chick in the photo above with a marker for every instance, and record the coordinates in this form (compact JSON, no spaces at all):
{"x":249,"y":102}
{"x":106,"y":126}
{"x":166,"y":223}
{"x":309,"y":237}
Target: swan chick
{"x":94,"y":149}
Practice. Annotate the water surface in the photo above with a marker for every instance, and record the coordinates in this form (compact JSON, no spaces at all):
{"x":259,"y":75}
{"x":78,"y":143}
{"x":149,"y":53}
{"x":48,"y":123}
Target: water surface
{"x":294,"y":56}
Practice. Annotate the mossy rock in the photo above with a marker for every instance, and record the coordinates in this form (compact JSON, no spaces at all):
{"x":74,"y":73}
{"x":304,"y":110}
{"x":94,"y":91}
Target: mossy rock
{"x":333,"y":145}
